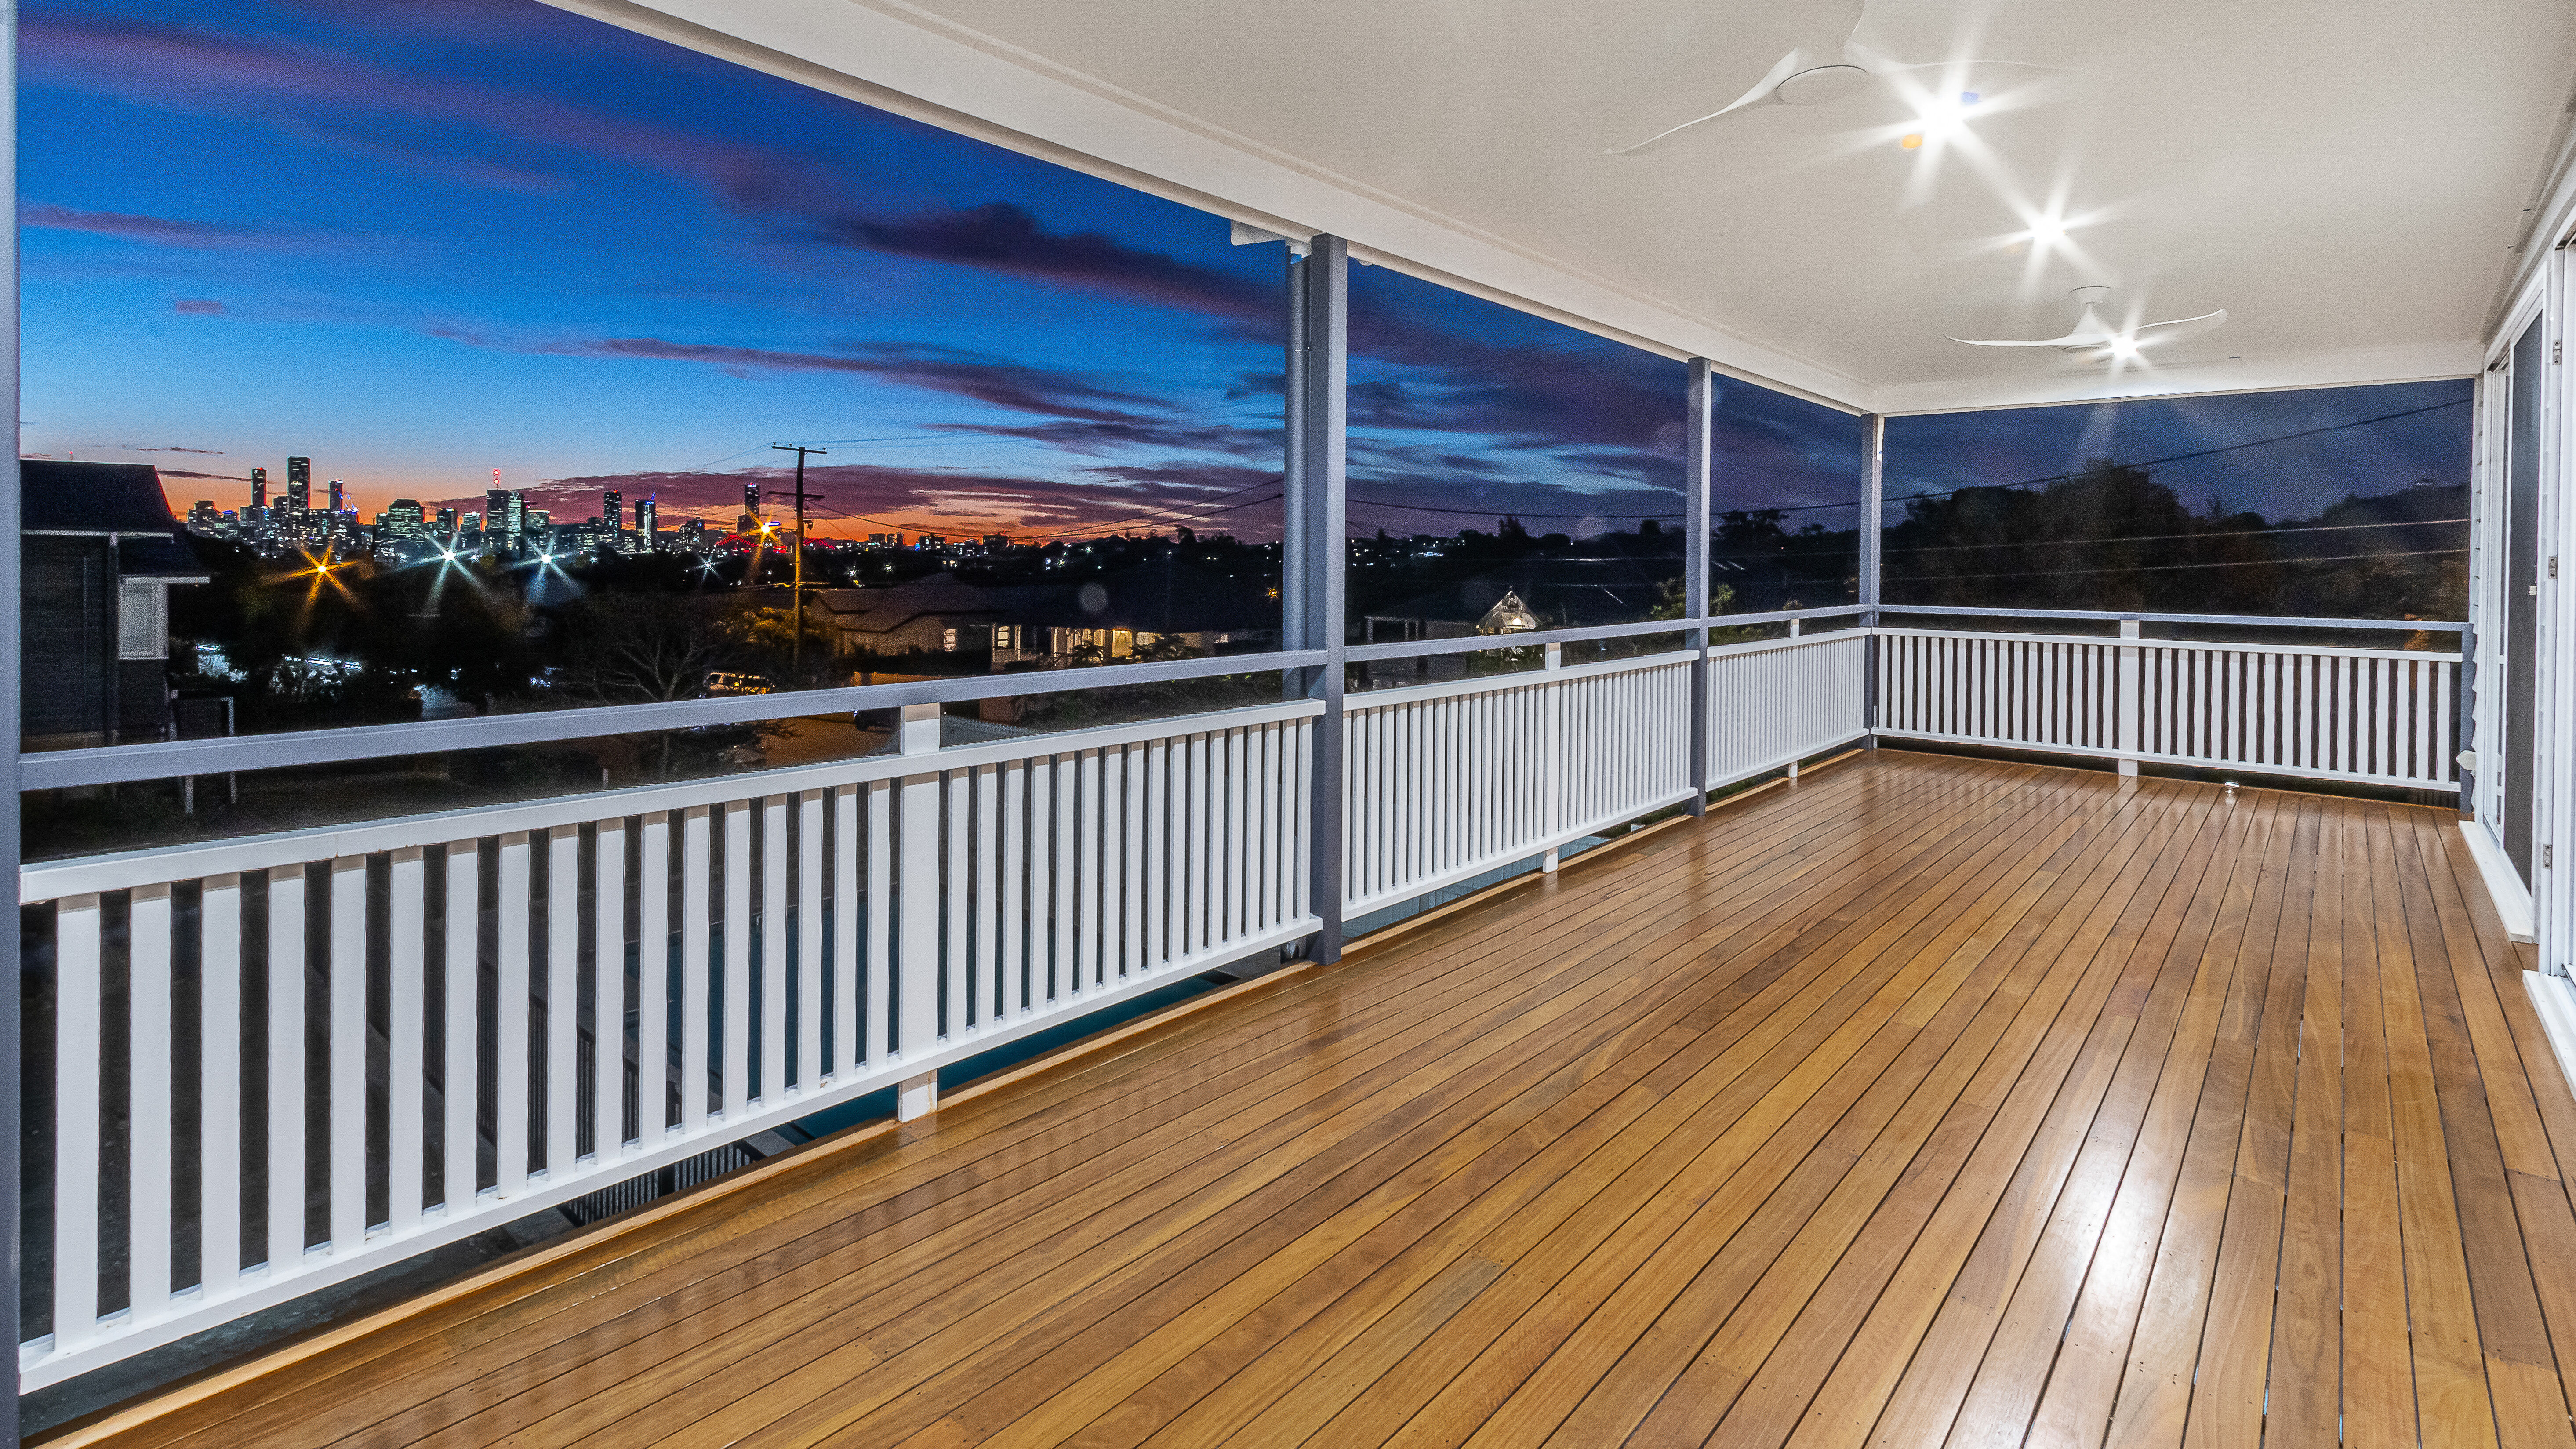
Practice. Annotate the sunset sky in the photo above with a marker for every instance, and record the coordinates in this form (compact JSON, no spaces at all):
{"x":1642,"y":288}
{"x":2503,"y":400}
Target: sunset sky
{"x":421,"y":242}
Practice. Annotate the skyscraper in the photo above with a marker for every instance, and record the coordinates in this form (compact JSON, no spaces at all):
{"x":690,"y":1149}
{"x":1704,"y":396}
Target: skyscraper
{"x":299,"y":486}
{"x":447,"y":523}
{"x":505,"y":516}
{"x":612,"y":513}
{"x":259,"y":488}
{"x":751,"y":499}
{"x":339,"y":501}
{"x":401,"y":520}
{"x":647,"y":518}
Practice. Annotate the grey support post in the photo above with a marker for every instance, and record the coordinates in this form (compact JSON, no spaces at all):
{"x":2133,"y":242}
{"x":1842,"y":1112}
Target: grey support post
{"x":1695,"y":470}
{"x":11,"y":1058}
{"x":1873,"y":509}
{"x":1318,"y":412}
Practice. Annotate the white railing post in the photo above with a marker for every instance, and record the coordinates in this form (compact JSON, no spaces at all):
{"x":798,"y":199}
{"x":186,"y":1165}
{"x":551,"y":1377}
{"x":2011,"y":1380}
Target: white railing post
{"x":916,"y":973}
{"x":1793,"y":760}
{"x":2129,"y":701}
{"x":1551,"y":773}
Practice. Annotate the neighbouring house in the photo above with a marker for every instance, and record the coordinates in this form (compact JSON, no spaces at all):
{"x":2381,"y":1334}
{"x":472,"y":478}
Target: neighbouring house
{"x":1143,"y":609}
{"x":99,"y":554}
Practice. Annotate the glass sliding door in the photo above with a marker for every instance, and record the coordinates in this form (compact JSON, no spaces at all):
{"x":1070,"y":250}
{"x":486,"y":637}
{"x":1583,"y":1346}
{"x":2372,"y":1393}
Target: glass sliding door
{"x":2521,"y":592}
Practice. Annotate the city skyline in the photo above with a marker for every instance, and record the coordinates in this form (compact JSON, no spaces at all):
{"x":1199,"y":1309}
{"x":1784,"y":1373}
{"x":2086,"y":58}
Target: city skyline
{"x":467,"y":234}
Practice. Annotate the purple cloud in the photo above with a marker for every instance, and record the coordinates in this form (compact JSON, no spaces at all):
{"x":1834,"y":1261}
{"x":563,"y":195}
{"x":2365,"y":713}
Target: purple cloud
{"x":860,"y":498}
{"x":991,"y":380}
{"x":1006,"y":238}
{"x":134,"y":226}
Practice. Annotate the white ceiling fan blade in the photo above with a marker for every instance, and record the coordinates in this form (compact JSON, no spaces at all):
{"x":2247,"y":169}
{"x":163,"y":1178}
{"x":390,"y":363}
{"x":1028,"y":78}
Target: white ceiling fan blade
{"x":2071,"y":339}
{"x":1882,"y":65}
{"x":2179,"y":327}
{"x":2089,"y":332}
{"x":1765,"y":92}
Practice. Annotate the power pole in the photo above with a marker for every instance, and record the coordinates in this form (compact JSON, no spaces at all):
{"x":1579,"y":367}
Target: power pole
{"x":796,"y":590}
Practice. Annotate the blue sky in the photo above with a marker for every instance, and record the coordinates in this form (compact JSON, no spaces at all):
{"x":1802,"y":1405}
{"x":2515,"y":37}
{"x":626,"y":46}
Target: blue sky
{"x":425,"y":241}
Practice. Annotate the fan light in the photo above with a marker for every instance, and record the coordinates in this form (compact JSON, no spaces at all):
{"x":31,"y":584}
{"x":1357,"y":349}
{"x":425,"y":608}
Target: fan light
{"x":1913,"y":142}
{"x":1967,"y":98}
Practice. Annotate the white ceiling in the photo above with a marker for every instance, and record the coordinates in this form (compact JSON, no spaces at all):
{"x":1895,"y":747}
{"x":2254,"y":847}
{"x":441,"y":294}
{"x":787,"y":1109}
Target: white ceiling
{"x":2346,"y":179}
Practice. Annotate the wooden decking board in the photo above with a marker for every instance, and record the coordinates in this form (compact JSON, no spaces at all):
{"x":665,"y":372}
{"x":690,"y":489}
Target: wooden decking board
{"x":1925,"y":1100}
{"x":2074,"y":1406}
{"x":2014,"y":1368}
{"x":481,"y":1386}
{"x":1763,"y":1276}
{"x":2002,"y":830}
{"x":2178,"y":946}
{"x":2523,"y":1381}
{"x":1426,"y":1384}
{"x":1006,"y":1344}
{"x":1963,"y":1263}
{"x":1836,"y":1279}
{"x":1250,"y":1392}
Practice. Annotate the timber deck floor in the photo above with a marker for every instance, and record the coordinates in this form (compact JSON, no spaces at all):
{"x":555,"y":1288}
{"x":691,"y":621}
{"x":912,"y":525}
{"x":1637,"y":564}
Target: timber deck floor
{"x":1926,"y":1101}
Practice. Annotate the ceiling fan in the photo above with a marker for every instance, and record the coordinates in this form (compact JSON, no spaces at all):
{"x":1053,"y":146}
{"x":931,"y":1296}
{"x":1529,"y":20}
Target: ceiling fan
{"x":2098,"y":340}
{"x":1827,"y":64}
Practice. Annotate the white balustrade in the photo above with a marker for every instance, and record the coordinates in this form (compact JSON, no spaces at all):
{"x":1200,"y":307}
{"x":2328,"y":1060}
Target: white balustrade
{"x":2364,"y":716}
{"x":1443,"y":782}
{"x":1773,"y":702}
{"x":503,"y":1009}
{"x":511,"y":1007}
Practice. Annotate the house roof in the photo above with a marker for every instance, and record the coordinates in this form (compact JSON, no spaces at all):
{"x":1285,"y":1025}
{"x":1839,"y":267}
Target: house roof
{"x":1179,"y":598}
{"x":101,"y":498}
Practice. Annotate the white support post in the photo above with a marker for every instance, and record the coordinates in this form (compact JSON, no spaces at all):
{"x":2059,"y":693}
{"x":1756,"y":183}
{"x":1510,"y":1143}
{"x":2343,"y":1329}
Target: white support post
{"x":1873,"y":509}
{"x":916,"y":967}
{"x":2128,"y":701}
{"x":917,"y":1096}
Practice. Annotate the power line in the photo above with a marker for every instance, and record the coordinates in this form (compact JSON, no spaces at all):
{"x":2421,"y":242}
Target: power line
{"x":2202,"y":453}
{"x":2164,"y":537}
{"x":2168,"y":568}
{"x":1499,"y":512}
{"x":1088,"y":533}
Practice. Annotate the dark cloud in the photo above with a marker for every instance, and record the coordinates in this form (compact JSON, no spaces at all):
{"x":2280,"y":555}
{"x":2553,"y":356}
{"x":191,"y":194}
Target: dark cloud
{"x":214,"y":477}
{"x":197,"y":306}
{"x":168,"y":230}
{"x":209,"y":452}
{"x":996,"y":381}
{"x":1254,"y":438}
{"x":1003,"y":237}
